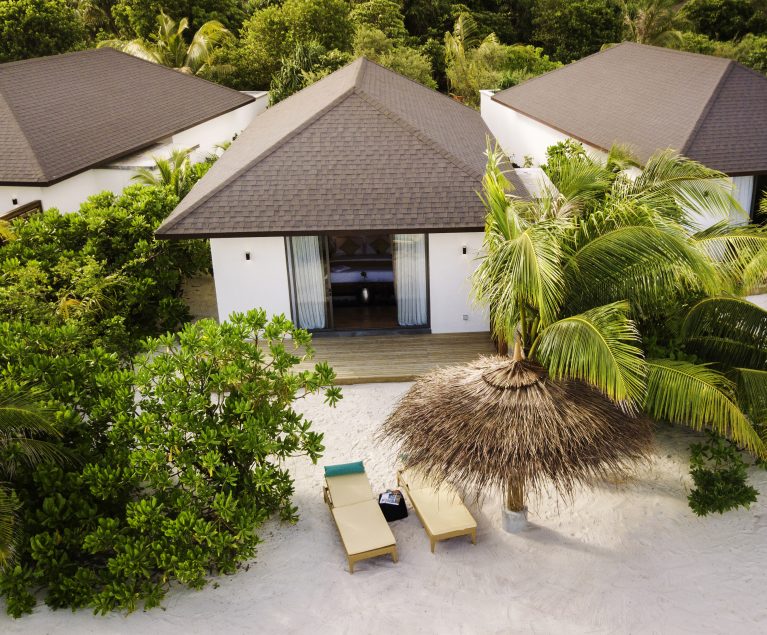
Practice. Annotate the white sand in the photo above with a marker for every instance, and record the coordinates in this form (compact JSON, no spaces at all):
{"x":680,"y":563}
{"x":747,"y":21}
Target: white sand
{"x":628,"y":559}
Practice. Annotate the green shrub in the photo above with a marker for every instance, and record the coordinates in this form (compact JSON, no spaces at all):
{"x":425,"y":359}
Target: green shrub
{"x":33,"y":28}
{"x":719,"y":19}
{"x":570,"y":29}
{"x":182,"y":461}
{"x":101,"y":267}
{"x":720,"y":476}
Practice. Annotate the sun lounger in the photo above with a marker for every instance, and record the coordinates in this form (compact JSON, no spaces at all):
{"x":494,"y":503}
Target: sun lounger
{"x":361,"y":524}
{"x":439,"y":508}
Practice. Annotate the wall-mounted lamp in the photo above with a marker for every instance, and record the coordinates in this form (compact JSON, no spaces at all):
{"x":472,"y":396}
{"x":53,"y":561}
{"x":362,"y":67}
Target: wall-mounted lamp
{"x":15,"y":201}
{"x":247,"y":255}
{"x":463,"y":249}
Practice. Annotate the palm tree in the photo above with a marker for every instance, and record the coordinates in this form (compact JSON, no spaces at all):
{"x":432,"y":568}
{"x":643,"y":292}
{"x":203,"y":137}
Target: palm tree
{"x":21,"y":422}
{"x":572,"y":277}
{"x":170,"y":47}
{"x":654,"y":22}
{"x":174,"y":172}
{"x":467,"y":60}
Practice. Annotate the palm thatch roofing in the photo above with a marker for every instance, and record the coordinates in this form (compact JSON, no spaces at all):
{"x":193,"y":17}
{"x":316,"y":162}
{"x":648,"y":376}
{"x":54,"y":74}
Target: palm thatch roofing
{"x":497,"y":421}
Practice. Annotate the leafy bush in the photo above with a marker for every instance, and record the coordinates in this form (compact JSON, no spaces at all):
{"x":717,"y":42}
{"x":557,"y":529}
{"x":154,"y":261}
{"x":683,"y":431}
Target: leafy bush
{"x":183,"y":462}
{"x":721,"y":477}
{"x":570,"y":29}
{"x":272,"y":33}
{"x":100,"y":267}
{"x":384,"y":15}
{"x":33,"y":28}
{"x":751,"y":51}
{"x":719,"y":19}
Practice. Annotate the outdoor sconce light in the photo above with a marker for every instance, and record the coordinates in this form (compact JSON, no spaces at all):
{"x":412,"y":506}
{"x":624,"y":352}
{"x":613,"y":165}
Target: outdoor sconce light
{"x":247,"y":255}
{"x":15,"y":201}
{"x":463,"y":249}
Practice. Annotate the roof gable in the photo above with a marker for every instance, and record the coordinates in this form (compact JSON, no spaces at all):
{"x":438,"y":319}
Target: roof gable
{"x":363,"y":149}
{"x":67,"y":113}
{"x":651,"y":98}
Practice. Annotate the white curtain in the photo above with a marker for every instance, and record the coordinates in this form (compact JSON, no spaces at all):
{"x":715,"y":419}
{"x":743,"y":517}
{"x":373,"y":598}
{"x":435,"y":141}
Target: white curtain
{"x":743,"y":192}
{"x":309,"y":282}
{"x":410,"y":279}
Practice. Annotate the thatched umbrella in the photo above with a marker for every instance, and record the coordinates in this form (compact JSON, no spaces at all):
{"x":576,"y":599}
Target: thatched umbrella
{"x":501,"y":422}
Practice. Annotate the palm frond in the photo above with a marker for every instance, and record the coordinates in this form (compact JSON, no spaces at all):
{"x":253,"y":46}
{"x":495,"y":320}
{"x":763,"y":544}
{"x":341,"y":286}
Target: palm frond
{"x":21,"y":413}
{"x":731,"y":331}
{"x":626,"y":252}
{"x":8,"y":532}
{"x":740,"y":252}
{"x":681,"y":189}
{"x":699,"y":397}
{"x":209,"y":36}
{"x":137,"y":48}
{"x":598,"y":347}
{"x":752,"y":395}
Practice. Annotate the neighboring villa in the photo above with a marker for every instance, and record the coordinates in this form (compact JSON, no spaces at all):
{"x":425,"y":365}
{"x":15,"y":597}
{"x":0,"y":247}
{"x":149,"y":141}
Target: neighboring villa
{"x":76,"y":124}
{"x":707,"y":108}
{"x":351,"y":205}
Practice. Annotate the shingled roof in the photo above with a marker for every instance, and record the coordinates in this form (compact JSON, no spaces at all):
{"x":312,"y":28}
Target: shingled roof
{"x":708,"y":108}
{"x":63,"y":114}
{"x":364,"y":149}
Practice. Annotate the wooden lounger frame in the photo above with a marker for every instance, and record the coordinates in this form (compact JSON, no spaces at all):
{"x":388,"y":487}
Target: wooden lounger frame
{"x":364,"y":555}
{"x":435,"y":538}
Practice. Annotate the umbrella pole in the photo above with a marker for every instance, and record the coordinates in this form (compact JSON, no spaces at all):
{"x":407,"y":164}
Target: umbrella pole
{"x":515,"y":496}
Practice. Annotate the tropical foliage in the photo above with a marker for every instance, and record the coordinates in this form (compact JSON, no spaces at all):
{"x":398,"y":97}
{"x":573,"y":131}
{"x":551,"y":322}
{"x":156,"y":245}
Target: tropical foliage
{"x":606,"y":279}
{"x":22,"y":423}
{"x":33,"y":28}
{"x":174,"y":457}
{"x":654,"y":22}
{"x":720,"y":476}
{"x":473,"y":63}
{"x":182,"y":461}
{"x":170,"y":48}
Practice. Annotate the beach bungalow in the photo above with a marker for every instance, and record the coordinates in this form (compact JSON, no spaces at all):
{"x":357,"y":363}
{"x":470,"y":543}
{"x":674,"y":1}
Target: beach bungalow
{"x":350,"y":206}
{"x":710,"y":109}
{"x":76,"y":124}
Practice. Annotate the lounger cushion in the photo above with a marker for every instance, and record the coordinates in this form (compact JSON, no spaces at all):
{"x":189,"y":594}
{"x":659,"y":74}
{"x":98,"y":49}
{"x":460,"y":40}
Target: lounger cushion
{"x":415,"y":480}
{"x":344,"y":468}
{"x":349,"y":489}
{"x":441,"y":510}
{"x":362,"y":527}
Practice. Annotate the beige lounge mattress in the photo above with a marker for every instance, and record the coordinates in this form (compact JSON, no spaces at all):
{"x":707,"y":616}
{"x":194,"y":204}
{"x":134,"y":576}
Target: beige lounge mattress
{"x":362,"y":527}
{"x":440,"y":508}
{"x":349,"y":489}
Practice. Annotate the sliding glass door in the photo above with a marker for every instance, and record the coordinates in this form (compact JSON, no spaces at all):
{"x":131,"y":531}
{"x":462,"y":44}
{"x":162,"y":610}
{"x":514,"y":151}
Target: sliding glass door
{"x":359,"y":282}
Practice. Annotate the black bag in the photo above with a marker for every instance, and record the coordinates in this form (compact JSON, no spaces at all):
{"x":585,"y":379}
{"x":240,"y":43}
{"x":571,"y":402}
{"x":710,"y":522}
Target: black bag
{"x":392,"y":504}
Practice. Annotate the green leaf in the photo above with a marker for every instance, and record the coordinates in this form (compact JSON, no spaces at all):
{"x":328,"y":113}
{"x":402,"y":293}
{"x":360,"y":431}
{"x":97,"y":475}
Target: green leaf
{"x":699,"y":397}
{"x":731,"y":331}
{"x":598,"y":347}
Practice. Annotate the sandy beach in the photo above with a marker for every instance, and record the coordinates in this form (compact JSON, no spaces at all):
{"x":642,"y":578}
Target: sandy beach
{"x":622,"y":558}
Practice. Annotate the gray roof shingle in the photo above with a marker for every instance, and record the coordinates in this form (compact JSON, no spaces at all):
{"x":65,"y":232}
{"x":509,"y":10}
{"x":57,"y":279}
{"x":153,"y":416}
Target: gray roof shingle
{"x":63,"y":114}
{"x":708,"y":108}
{"x":364,"y":149}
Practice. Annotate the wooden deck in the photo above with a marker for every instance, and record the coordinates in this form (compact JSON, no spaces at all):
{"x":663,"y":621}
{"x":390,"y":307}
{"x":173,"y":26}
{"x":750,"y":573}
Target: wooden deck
{"x":384,"y":358}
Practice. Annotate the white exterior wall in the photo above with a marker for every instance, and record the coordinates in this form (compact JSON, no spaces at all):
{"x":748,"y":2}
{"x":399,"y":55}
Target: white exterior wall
{"x":450,"y":283}
{"x":67,"y":195}
{"x":261,"y":282}
{"x":518,"y":135}
{"x":221,"y":129}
